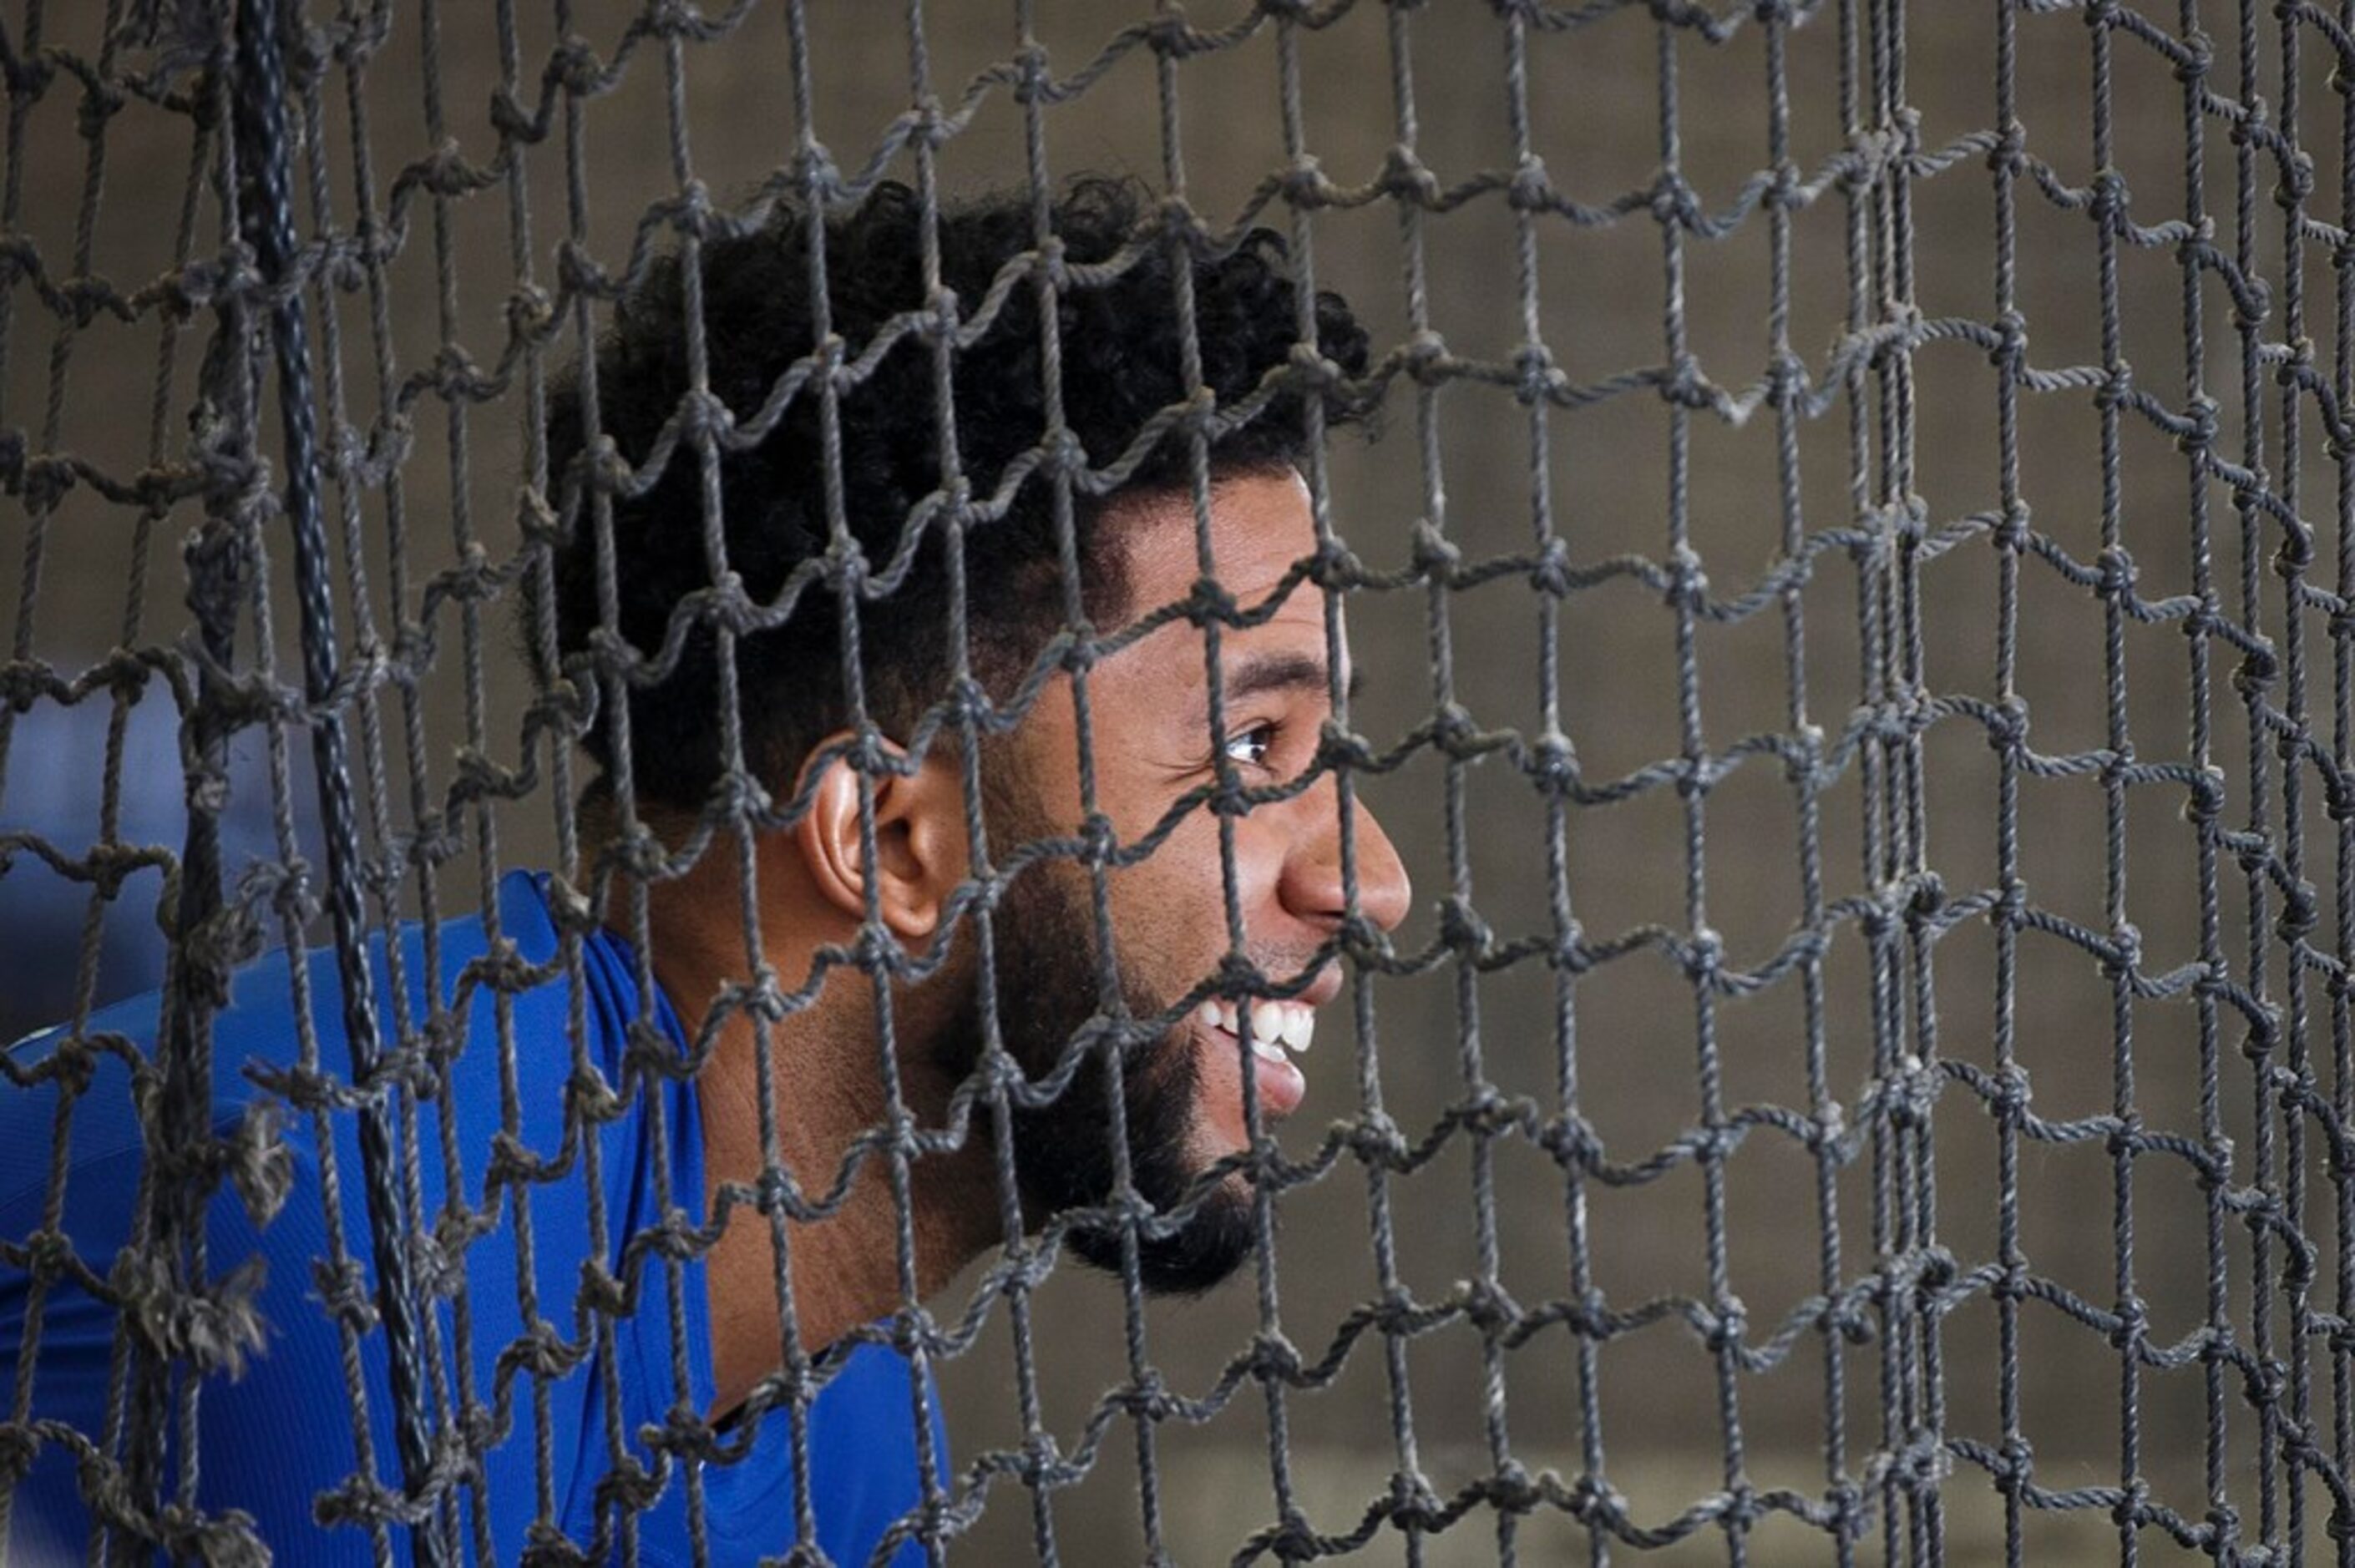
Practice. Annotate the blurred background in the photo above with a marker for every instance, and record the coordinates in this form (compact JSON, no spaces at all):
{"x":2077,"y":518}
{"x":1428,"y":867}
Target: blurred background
{"x":1596,"y":88}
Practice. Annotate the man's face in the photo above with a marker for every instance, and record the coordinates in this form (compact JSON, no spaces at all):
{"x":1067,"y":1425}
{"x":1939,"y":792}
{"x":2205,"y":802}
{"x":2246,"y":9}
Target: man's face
{"x":1152,"y":743}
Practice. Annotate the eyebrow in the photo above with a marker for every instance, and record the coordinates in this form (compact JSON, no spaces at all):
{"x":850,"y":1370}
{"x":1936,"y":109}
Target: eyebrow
{"x":1266,"y":672}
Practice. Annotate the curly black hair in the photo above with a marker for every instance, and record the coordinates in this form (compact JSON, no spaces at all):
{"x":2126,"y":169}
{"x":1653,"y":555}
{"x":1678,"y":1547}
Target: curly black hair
{"x":1120,"y":365}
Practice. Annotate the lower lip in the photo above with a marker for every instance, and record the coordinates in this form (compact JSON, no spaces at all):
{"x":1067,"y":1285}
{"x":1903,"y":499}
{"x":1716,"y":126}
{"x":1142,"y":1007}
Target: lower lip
{"x":1280,"y":1083}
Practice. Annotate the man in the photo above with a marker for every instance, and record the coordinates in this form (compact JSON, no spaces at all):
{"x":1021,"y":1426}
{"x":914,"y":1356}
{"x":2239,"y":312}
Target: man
{"x":580,"y":1408}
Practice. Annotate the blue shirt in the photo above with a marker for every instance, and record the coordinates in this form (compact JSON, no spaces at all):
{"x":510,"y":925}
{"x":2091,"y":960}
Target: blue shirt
{"x":276,"y":1438}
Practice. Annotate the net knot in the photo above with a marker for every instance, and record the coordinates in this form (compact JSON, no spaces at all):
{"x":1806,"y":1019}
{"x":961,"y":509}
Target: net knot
{"x":1461,"y":929}
{"x":1413,"y":1501}
{"x":2117,"y":574}
{"x":1062,"y":456}
{"x":1172,"y":36}
{"x":213,"y":1324}
{"x":1672,"y":201}
{"x":2123,"y":958}
{"x":1455,"y":734}
{"x":260,"y":1167}
{"x":1079,"y":654}
{"x":2007,"y":724}
{"x":2200,"y":413}
{"x":1303,"y":183}
{"x":846,"y":564}
{"x":1406,"y":178}
{"x":1841,"y":1316}
{"x":1311,"y":371}
{"x":511,"y":1162}
{"x":2195,"y":56}
{"x":1434,"y":555}
{"x":2254,"y":674}
{"x":1702,"y":955}
{"x":1921,"y":1464}
{"x":1099,"y":844}
{"x":1148,"y":1398}
{"x":1375,"y":1140}
{"x":1273,"y":1358}
{"x":2015,"y":1466}
{"x":1210,"y":601}
{"x":2299,"y":915}
{"x":215,"y":947}
{"x":18,"y":1446}
{"x":1551,"y":764}
{"x":1511,"y":1489}
{"x":438,"y":1269}
{"x":1597,"y":1503}
{"x":2295,"y":552}
{"x":48,"y":1255}
{"x":705,"y":419}
{"x":816,"y":176}
{"x":1335,"y":567}
{"x":1687,"y":588}
{"x":1531,"y":189}
{"x":1686,"y":387}
{"x":2264,"y":1381}
{"x":1424,"y":358}
{"x":2296,"y":170}
{"x":630,"y":1484}
{"x":1723,"y":1324}
{"x":72,"y":1060}
{"x":1569,"y":1138}
{"x":2009,"y":154}
{"x":1829,"y":1128}
{"x":737,"y":796}
{"x":226,"y":1540}
{"x":44,"y":481}
{"x":1910,"y":1090}
{"x":1741,"y":1509}
{"x":1341,"y":749}
{"x":2008,"y":1092}
{"x":1487,"y":1307}
{"x":574,"y":66}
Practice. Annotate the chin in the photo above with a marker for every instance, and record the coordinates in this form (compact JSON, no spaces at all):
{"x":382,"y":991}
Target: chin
{"x":1216,"y":1240}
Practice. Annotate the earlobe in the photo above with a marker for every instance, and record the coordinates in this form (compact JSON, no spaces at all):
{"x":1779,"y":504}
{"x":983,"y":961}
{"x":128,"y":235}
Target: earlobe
{"x":919,"y":848}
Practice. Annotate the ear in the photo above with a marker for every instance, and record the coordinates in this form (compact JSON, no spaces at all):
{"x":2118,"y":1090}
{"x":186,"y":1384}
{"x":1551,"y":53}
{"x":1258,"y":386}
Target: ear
{"x":921,"y":853}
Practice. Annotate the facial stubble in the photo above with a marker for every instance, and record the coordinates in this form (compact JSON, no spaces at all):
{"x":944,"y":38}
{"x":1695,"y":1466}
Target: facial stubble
{"x":1048,"y":994}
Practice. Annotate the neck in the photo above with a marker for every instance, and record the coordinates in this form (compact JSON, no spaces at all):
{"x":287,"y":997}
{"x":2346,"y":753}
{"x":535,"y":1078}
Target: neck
{"x":826,"y":1074}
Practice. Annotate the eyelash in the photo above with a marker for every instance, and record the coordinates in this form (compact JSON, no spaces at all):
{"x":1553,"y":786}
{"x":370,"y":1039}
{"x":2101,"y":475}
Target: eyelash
{"x":1264,"y":732}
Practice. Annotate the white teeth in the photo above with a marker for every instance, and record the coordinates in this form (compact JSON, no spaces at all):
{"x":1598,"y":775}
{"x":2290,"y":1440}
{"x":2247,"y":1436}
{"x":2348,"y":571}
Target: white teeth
{"x":1267,"y":1021}
{"x":1275,"y":1026}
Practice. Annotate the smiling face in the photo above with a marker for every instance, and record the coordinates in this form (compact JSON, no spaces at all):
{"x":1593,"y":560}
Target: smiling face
{"x":1152,"y":743}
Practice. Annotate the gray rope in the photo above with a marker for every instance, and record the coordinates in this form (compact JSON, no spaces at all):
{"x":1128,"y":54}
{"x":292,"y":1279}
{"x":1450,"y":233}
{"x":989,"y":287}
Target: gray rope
{"x":263,"y":130}
{"x":1899,"y":1458}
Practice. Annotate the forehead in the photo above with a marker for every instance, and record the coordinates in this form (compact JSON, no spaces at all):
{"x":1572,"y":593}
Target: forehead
{"x":1261,"y":526}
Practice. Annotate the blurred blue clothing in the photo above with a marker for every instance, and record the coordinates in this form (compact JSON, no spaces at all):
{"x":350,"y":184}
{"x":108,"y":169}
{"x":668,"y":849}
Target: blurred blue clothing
{"x":275,"y":1438}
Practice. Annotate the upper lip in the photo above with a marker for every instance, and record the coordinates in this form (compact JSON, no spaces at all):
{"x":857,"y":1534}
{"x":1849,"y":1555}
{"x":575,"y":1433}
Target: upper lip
{"x":1325,"y":988}
{"x":1314,"y":995}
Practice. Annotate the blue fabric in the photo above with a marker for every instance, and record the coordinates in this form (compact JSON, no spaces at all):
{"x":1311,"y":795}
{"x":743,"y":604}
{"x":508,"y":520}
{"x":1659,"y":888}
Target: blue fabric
{"x":275,"y":1438}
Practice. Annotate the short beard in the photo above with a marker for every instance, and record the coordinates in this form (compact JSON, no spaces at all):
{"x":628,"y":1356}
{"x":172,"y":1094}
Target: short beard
{"x":1063,"y":1158}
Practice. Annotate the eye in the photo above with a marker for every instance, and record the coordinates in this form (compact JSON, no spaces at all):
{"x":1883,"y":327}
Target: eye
{"x":1250,"y":746}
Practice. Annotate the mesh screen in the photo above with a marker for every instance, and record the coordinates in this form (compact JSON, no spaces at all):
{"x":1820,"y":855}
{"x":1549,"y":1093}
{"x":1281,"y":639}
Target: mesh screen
{"x":1864,"y":496}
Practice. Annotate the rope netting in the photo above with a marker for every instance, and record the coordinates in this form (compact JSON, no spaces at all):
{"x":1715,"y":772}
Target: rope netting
{"x":1526,"y":1222}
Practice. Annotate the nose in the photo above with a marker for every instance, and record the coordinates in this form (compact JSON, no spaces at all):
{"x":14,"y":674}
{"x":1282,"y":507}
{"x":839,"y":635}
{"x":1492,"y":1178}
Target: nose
{"x":1314,"y":888}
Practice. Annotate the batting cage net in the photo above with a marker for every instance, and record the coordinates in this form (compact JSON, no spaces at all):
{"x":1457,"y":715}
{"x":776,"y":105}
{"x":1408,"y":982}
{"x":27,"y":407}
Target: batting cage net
{"x":679,"y":725}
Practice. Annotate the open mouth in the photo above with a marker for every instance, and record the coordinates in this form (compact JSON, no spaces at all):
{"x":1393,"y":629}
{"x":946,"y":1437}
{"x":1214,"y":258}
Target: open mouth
{"x":1279,"y":1030}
